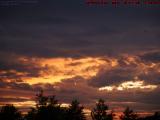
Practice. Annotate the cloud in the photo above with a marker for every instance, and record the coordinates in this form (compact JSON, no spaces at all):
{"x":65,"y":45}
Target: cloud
{"x":151,"y":57}
{"x":115,"y":75}
{"x":80,"y":47}
{"x":16,"y":67}
{"x":75,"y":88}
{"x":72,"y":29}
{"x":151,"y":77}
{"x":11,"y":99}
{"x":128,"y":68}
{"x":79,"y":88}
{"x":109,"y":78}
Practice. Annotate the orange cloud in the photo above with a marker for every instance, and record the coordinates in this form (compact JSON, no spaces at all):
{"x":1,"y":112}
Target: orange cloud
{"x":58,"y":69}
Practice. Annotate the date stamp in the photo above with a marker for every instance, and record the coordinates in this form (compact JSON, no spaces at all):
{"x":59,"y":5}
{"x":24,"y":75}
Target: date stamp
{"x":124,"y":2}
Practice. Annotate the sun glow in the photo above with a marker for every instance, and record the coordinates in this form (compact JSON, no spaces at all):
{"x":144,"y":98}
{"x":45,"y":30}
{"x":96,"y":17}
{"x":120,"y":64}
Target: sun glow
{"x":108,"y":88}
{"x":129,"y":85}
{"x":23,"y":104}
{"x":137,"y":85}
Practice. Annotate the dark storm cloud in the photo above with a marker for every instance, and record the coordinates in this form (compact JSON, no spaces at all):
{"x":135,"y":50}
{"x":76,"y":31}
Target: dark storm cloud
{"x":151,"y":57}
{"x":152,"y":77}
{"x":112,"y":77}
{"x":12,"y":66}
{"x":17,"y":91}
{"x":151,"y":97}
{"x":76,"y":88}
{"x":72,"y":29}
{"x":139,"y":69}
{"x":16,"y":86}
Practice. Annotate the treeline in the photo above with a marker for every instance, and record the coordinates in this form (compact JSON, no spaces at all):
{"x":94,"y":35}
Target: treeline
{"x":48,"y":108}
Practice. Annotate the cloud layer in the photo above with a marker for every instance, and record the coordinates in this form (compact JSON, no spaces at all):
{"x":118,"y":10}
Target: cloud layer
{"x":71,"y":49}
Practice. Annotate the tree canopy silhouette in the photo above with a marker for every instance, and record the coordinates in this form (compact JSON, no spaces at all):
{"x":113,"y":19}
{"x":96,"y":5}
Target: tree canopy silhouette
{"x":9,"y":112}
{"x":75,"y":111}
{"x":100,"y":111}
{"x":155,"y":116}
{"x":48,"y":108}
{"x":128,"y":114}
{"x":31,"y":114}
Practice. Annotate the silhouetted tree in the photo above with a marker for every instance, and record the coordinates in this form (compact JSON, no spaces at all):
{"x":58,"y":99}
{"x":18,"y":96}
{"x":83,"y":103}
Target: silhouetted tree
{"x":52,"y":101}
{"x":41,"y":99}
{"x":47,"y":108}
{"x":9,"y":112}
{"x":156,"y":116}
{"x":31,"y":114}
{"x":128,"y":114}
{"x":100,"y":111}
{"x":75,"y":111}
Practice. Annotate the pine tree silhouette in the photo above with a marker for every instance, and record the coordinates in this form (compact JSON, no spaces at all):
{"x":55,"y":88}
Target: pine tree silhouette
{"x":75,"y":111}
{"x":100,"y":111}
{"x":128,"y":114}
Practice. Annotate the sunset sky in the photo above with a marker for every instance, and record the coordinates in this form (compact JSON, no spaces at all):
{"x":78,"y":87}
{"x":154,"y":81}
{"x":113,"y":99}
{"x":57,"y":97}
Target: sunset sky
{"x":74,"y":50}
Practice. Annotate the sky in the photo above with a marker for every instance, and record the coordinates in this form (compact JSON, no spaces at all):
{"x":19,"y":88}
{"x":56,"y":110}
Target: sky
{"x":79,"y":51}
